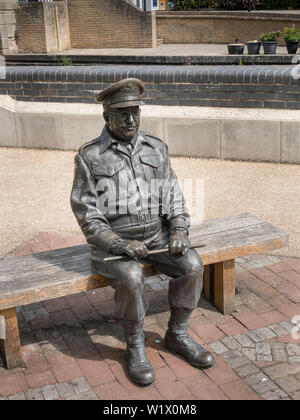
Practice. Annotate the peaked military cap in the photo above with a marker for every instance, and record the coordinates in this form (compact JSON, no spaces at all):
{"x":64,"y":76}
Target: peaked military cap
{"x":126,"y":92}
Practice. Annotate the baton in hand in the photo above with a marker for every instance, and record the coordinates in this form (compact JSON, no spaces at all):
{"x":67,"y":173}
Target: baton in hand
{"x":153,"y":252}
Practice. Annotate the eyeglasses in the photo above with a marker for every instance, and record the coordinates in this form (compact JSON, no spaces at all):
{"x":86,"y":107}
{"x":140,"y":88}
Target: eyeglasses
{"x":125,"y":115}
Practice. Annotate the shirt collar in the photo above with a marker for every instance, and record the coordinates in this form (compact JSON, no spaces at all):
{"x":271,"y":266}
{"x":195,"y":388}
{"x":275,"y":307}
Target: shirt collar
{"x":106,"y":141}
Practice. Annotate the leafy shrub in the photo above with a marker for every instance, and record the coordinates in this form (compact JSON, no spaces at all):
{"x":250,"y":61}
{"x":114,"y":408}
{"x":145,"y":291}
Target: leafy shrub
{"x":270,"y":36}
{"x":65,"y":61}
{"x":204,"y":4}
{"x":240,"y":4}
{"x":186,"y":4}
{"x":211,"y":4}
{"x":279,"y":4}
{"x":291,"y":34}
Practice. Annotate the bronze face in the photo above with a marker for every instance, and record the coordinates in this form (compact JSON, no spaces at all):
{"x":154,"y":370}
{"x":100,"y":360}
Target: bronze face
{"x":123,"y":123}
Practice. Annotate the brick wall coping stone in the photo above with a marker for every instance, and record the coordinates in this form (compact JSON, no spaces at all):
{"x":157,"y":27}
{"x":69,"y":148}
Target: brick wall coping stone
{"x":214,"y":86}
{"x":157,"y":74}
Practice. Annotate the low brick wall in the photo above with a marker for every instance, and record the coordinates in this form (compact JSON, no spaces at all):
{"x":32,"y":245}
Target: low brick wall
{"x":214,"y":86}
{"x":37,"y":30}
{"x":220,"y":27}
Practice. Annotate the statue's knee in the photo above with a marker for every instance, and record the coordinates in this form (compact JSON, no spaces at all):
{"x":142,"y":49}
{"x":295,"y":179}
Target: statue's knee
{"x":133,"y":279}
{"x":193,"y":264}
{"x":197,"y":264}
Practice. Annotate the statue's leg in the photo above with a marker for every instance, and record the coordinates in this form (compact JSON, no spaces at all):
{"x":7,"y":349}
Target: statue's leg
{"x":126,"y":277}
{"x":184,"y":293}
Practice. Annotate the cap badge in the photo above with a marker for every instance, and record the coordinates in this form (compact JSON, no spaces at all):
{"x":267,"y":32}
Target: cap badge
{"x":130,"y":87}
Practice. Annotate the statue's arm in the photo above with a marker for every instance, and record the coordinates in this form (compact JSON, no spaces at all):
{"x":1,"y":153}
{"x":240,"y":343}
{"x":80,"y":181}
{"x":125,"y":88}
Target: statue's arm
{"x":175,"y":212}
{"x":91,"y":220}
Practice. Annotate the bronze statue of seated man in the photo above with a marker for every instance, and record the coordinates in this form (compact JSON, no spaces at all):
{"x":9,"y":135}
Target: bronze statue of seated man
{"x":127,"y":201}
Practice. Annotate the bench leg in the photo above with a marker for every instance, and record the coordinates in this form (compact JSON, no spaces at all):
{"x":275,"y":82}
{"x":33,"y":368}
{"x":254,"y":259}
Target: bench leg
{"x":219,"y":285}
{"x":207,"y":284}
{"x":10,"y":346}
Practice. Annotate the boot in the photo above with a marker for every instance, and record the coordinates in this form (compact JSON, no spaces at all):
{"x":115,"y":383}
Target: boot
{"x":177,"y":340}
{"x":139,"y":368}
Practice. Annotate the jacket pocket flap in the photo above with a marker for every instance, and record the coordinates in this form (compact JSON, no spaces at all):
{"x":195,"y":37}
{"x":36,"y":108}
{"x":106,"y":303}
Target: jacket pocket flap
{"x":152,"y":160}
{"x":108,"y":169}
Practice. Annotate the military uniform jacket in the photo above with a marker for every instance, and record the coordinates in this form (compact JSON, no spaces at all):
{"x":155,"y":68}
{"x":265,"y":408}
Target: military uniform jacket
{"x":125,"y":191}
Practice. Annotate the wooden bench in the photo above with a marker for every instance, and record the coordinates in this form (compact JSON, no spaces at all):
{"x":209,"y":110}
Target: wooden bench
{"x":48,"y":275}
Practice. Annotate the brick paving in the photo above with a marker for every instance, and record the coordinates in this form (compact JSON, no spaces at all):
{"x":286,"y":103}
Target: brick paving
{"x":73,"y":348}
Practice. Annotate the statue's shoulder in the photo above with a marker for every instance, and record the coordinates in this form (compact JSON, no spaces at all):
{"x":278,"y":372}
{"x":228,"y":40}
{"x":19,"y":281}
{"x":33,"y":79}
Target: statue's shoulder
{"x":155,"y":141}
{"x":89,"y":145}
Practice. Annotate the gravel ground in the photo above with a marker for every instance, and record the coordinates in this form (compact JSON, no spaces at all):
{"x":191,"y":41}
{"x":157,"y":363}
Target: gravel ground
{"x":35,"y":187}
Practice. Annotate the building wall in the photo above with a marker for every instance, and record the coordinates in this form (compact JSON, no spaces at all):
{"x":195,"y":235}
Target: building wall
{"x":36,"y":27}
{"x":219,"y":28}
{"x":63,"y":24}
{"x":8,"y":27}
{"x":110,"y":24}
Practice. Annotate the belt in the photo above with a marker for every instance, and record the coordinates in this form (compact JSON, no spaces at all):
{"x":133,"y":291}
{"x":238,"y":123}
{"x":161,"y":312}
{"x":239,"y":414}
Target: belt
{"x":129,"y":220}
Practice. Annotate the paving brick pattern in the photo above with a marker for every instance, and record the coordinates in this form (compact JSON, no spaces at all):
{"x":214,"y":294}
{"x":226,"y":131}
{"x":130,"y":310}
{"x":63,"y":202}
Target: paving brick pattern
{"x":73,"y":348}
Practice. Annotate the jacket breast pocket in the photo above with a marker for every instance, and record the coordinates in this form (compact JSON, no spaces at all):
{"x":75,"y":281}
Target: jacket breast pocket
{"x":155,"y":161}
{"x":107,"y":176}
{"x":107,"y":169}
{"x":153,"y":166}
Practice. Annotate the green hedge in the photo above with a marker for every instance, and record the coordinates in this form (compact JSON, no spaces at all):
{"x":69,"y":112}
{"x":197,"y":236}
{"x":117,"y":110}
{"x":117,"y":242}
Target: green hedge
{"x":186,"y":4}
{"x":280,"y":4}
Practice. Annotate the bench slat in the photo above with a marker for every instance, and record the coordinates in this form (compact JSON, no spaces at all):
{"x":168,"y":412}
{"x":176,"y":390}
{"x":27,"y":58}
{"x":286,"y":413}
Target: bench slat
{"x":59,"y":256}
{"x":220,"y":224}
{"x":57,"y":273}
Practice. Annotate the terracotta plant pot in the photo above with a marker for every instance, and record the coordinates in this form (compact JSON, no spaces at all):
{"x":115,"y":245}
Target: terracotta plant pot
{"x":292,"y":46}
{"x":253,"y":47}
{"x":237,"y":49}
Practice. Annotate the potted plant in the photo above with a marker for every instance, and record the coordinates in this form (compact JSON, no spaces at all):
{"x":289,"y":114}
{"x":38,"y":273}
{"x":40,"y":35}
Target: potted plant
{"x":236,"y":48}
{"x":292,"y":38}
{"x":253,"y":47}
{"x":269,"y":41}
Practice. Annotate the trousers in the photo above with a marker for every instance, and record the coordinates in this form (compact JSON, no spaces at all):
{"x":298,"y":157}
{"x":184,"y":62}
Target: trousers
{"x":126,"y":277}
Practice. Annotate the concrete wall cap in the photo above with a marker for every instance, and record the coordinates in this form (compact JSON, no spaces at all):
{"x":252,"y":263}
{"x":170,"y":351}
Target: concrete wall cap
{"x":154,"y":111}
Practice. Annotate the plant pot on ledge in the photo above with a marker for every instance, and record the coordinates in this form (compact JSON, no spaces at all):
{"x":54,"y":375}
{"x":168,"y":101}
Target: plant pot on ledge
{"x":236,"y":49}
{"x":270,"y":47}
{"x":292,"y":38}
{"x":292,"y":47}
{"x":253,"y":47}
{"x":269,"y":41}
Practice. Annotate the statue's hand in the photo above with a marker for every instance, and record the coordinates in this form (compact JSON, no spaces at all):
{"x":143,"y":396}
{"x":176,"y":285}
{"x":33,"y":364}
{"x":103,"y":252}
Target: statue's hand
{"x":179,"y":242}
{"x":131,"y":248}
